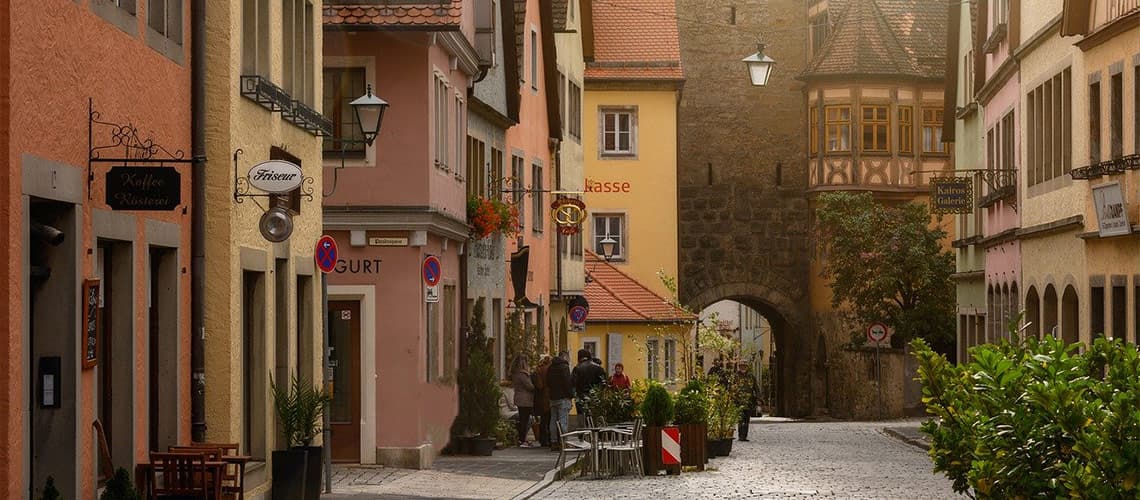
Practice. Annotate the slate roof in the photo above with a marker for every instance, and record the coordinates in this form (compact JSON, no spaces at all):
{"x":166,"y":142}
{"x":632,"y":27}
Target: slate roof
{"x":615,"y":296}
{"x":395,"y":15}
{"x":635,"y":40}
{"x":885,"y":38}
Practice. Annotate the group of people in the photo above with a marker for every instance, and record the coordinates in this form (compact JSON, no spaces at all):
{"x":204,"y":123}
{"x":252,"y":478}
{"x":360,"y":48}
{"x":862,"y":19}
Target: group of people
{"x":544,"y":394}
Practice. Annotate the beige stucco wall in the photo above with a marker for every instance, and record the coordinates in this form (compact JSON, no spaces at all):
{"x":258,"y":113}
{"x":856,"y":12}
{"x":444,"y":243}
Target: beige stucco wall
{"x":570,"y":63}
{"x":234,"y":122}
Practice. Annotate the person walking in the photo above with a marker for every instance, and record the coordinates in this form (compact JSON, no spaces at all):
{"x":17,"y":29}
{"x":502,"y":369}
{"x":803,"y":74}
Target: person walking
{"x":524,"y":395}
{"x":747,"y":395}
{"x":620,"y":379}
{"x":586,"y":376}
{"x":542,"y":400}
{"x":560,"y":392}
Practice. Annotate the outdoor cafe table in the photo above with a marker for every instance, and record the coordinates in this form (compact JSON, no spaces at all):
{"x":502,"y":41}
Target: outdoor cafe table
{"x":595,"y":443}
{"x":215,"y":469}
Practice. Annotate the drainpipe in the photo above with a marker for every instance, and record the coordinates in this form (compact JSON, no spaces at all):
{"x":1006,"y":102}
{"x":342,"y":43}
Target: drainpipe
{"x":557,"y":155}
{"x":198,"y":220}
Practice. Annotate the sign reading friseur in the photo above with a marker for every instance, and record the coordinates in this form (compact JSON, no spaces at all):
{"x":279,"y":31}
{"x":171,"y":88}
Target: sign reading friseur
{"x":276,"y":176}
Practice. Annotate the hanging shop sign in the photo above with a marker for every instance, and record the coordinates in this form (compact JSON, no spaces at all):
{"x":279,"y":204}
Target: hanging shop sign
{"x":1110,"y":212}
{"x":92,"y":323}
{"x":144,"y":188}
{"x":276,"y":176}
{"x":952,"y":195}
{"x":568,"y":214}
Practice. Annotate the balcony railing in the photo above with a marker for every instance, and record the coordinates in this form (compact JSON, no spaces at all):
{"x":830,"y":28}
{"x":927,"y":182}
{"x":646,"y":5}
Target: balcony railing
{"x":273,"y":98}
{"x":1110,"y":167}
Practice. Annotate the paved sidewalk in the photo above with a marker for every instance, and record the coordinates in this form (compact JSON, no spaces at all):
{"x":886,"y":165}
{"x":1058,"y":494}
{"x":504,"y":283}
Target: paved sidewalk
{"x":505,"y":474}
{"x":908,"y":432}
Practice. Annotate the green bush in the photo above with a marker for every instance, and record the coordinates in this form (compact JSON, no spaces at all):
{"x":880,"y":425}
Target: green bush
{"x":692,"y":404}
{"x":1036,"y":418}
{"x":120,"y":487}
{"x":49,"y":492}
{"x":611,"y":403}
{"x":506,"y":434}
{"x":657,"y":409}
{"x":723,"y":411}
{"x":479,"y":391}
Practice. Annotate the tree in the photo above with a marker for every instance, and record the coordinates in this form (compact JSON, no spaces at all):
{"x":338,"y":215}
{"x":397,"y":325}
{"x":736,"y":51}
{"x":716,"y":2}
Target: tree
{"x":887,"y":264}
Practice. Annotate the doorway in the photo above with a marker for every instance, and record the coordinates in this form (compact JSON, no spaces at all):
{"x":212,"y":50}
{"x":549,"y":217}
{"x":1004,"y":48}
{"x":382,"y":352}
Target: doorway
{"x":344,"y":349}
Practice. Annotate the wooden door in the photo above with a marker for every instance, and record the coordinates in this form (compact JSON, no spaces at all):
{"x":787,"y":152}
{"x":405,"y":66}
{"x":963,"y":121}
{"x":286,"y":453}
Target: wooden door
{"x":344,"y":412}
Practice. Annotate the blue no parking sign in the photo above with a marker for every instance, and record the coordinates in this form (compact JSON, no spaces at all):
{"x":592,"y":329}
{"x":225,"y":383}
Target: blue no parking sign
{"x":326,"y":254}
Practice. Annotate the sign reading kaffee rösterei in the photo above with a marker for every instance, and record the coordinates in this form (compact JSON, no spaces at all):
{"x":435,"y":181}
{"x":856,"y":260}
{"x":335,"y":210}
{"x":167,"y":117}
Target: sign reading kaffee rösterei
{"x":275,"y":176}
{"x":143,"y":188}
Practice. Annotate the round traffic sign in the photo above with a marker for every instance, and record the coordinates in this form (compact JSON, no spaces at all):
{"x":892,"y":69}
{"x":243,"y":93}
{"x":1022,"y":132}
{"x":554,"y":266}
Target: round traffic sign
{"x":877,"y":332}
{"x":578,"y":314}
{"x":326,"y":254}
{"x":432,"y":270}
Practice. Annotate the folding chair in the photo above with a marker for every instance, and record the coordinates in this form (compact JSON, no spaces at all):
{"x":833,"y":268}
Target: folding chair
{"x":577,"y":446}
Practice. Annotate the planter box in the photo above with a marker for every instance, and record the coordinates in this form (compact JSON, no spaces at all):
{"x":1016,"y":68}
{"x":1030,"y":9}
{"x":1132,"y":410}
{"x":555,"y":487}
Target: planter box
{"x":289,"y":474}
{"x":313,"y":467}
{"x":694,"y":451}
{"x":651,"y":452}
{"x":482,"y":447}
{"x":719,"y":447}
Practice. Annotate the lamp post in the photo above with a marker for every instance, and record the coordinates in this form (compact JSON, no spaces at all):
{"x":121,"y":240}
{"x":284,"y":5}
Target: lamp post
{"x":759,"y":66}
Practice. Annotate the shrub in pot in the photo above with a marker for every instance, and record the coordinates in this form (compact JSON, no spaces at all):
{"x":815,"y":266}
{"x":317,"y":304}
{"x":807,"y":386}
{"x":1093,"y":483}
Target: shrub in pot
{"x":479,"y":390}
{"x":692,"y":417}
{"x":657,"y":411}
{"x":120,"y":487}
{"x":297,"y":470}
{"x":723,"y":414}
{"x":611,"y":403}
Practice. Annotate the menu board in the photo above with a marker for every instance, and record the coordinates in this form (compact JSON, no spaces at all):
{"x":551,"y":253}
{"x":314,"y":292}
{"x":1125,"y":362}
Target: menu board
{"x":92,"y":323}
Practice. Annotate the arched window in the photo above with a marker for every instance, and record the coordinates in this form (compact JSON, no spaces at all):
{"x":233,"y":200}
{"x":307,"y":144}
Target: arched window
{"x":1049,"y":325}
{"x":1070,"y":316}
{"x":1032,"y":313}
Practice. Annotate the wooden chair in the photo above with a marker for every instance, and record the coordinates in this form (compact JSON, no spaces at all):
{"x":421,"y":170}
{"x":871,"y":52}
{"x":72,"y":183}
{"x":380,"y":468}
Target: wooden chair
{"x":233,"y":475}
{"x":181,"y":475}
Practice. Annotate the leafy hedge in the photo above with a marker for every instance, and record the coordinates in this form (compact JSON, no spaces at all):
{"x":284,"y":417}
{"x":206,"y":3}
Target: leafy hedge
{"x":1036,"y":418}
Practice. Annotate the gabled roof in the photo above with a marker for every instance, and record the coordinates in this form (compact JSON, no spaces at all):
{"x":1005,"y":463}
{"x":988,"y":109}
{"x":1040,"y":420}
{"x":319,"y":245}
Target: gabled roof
{"x":635,"y":40}
{"x":616,"y":297}
{"x":884,"y":38}
{"x":395,"y":15}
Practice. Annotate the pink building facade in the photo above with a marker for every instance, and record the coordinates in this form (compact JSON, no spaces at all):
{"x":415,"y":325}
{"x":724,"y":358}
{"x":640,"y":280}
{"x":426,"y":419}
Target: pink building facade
{"x":395,"y":205}
{"x":97,"y":314}
{"x":997,"y":196}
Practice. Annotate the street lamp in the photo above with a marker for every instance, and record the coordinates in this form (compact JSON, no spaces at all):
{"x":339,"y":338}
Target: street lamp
{"x":759,"y":66}
{"x":369,"y":113}
{"x":608,"y":246}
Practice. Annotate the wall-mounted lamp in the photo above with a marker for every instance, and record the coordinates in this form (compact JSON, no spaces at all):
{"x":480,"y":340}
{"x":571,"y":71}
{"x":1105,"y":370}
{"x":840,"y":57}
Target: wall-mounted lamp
{"x":369,"y":110}
{"x":759,"y":66}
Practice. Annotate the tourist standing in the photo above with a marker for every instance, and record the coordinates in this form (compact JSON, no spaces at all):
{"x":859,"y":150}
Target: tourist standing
{"x":524,"y":395}
{"x":620,"y":379}
{"x":558,"y":383}
{"x":542,"y":399}
{"x":586,"y":376}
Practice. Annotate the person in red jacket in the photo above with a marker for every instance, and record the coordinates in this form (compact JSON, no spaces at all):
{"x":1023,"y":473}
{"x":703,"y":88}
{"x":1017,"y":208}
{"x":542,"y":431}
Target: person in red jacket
{"x":619,"y":379}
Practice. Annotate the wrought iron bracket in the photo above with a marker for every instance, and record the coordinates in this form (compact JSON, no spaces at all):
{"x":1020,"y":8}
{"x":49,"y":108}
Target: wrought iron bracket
{"x":514,"y":186}
{"x":135,"y":150}
{"x":1002,"y":182}
{"x":1109,"y":167}
{"x":344,"y":143}
{"x":242,"y":188}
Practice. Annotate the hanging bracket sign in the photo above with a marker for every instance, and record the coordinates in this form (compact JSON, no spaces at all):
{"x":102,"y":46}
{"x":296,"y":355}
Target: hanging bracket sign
{"x":143,"y":188}
{"x":952,"y":195}
{"x":276,"y":176}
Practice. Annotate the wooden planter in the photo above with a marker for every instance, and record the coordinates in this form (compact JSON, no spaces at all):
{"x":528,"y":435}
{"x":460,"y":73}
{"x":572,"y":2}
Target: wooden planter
{"x":693,"y":448}
{"x":651,"y":452}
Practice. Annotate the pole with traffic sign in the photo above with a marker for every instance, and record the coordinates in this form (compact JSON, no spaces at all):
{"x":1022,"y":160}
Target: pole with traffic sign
{"x":876,"y":333}
{"x":326,"y":257}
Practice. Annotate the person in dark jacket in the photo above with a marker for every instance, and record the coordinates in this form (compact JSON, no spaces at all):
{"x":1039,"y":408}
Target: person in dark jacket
{"x":586,"y":376}
{"x":542,"y":400}
{"x":747,"y":395}
{"x":524,"y":396}
{"x":560,"y":390}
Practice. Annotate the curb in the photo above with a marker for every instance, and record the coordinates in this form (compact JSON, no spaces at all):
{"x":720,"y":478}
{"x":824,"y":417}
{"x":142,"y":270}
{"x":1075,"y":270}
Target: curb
{"x":546,"y":480}
{"x":917,"y":443}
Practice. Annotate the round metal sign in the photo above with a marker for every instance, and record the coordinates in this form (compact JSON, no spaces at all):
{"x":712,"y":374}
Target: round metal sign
{"x":326,"y":254}
{"x":276,"y":176}
{"x":432,"y":270}
{"x":578,"y":314}
{"x":877,"y":332}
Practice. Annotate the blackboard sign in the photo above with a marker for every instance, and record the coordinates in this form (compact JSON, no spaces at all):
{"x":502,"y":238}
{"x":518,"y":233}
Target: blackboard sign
{"x":92,"y":323}
{"x":144,"y":188}
{"x":952,"y":195}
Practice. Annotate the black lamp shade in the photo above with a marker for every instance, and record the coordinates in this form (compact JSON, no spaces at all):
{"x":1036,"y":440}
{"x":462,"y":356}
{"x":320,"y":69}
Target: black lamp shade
{"x":369,"y":114}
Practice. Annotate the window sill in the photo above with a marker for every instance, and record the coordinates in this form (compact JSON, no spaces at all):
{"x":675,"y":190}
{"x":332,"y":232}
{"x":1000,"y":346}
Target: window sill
{"x":126,"y":22}
{"x":617,"y":156}
{"x":996,"y":37}
{"x":160,"y":43}
{"x":877,"y":153}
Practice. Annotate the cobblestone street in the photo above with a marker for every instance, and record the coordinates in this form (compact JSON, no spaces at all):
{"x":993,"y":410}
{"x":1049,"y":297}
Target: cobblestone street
{"x":790,"y":460}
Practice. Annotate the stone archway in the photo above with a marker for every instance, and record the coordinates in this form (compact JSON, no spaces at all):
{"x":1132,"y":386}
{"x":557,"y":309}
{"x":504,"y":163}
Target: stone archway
{"x":789,"y":330}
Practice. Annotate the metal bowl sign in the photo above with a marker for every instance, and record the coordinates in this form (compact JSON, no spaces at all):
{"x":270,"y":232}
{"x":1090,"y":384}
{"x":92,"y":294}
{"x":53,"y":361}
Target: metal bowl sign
{"x":276,"y":176}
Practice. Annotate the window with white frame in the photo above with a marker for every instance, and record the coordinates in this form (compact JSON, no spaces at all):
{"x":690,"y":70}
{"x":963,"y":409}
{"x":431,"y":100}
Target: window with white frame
{"x":440,"y":122}
{"x":518,"y":187}
{"x":932,"y":131}
{"x":651,"y":355}
{"x":618,"y":131}
{"x":575,"y":112}
{"x":538,"y":205}
{"x":610,"y":226}
{"x":341,"y":87}
{"x":165,"y":17}
{"x":255,"y":37}
{"x":459,"y":132}
{"x":670,"y":356}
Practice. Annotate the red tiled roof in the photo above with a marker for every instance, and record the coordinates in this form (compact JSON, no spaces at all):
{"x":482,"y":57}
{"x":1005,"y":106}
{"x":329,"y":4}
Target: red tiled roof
{"x":614,"y":296}
{"x":635,"y":40}
{"x":884,"y":37}
{"x":395,"y":15}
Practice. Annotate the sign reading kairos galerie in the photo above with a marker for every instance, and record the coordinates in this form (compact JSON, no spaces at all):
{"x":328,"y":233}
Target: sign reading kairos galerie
{"x":276,"y":176}
{"x":1110,"y":212}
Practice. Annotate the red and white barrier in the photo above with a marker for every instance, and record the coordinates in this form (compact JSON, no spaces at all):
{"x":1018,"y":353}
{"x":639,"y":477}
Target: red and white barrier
{"x":670,"y":446}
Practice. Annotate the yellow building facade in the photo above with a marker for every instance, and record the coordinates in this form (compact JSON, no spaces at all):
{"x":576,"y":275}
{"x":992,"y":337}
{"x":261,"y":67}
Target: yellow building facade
{"x":263,"y":299}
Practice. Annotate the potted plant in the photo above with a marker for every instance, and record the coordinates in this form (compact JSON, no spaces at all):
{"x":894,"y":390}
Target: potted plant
{"x":611,"y":403}
{"x":692,"y":418}
{"x":120,"y":487}
{"x":288,"y":464}
{"x":723,"y":414}
{"x":488,"y":216}
{"x":310,"y":404}
{"x":479,"y":392}
{"x":657,"y":412}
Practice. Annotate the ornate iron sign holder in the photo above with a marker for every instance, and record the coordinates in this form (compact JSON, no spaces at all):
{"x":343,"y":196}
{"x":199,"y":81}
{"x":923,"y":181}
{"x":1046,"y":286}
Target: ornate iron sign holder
{"x":135,"y":150}
{"x":243,"y":190}
{"x":997,"y":179}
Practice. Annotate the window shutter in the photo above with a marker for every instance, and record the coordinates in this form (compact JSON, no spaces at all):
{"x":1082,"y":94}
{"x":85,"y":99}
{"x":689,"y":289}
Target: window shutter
{"x":613,"y":351}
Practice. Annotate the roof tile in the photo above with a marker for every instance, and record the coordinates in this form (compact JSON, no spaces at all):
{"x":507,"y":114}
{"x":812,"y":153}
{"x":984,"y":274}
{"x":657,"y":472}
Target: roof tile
{"x":635,"y":39}
{"x":615,"y":296}
{"x":884,"y":37}
{"x":394,"y":13}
